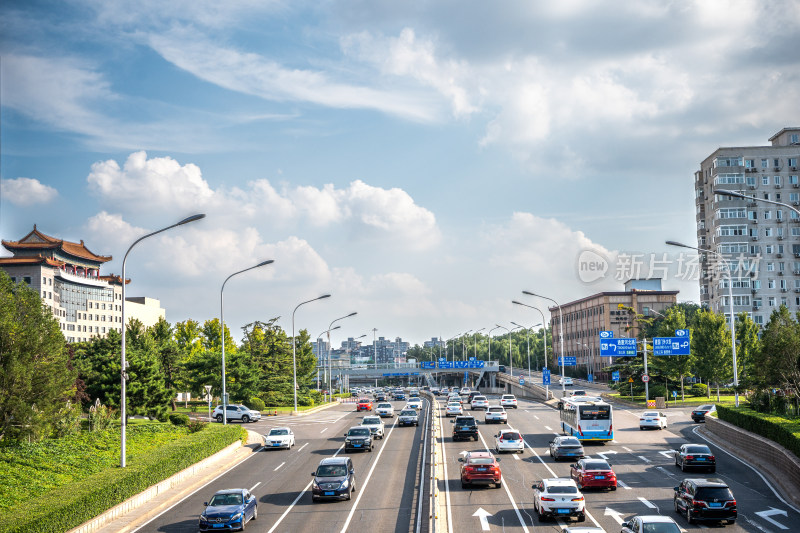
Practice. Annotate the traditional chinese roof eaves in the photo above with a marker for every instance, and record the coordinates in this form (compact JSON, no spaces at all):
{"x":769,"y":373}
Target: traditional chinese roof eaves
{"x":114,"y":279}
{"x":38,"y":260}
{"x":36,"y":240}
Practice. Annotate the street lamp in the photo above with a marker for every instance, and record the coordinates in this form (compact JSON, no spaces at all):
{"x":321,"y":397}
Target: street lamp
{"x":510,"y":362}
{"x":463,"y":350}
{"x":124,"y":363}
{"x":454,"y":347}
{"x":222,"y":326}
{"x":324,"y":358}
{"x":591,"y":348}
{"x":560,"y":335}
{"x":294,"y":346}
{"x":329,"y":372}
{"x":475,"y":341}
{"x":490,"y":342}
{"x":544,"y":322}
{"x":528,"y":344}
{"x":730,"y":304}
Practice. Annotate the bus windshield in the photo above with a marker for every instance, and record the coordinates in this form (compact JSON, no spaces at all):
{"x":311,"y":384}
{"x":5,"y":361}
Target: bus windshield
{"x":595,"y":412}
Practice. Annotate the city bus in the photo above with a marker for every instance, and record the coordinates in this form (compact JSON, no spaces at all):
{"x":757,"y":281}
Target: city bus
{"x":587,"y":418}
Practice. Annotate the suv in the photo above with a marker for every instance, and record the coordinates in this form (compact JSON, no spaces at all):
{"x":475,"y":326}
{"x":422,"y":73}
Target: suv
{"x":705,"y":499}
{"x":466,"y":427}
{"x":237,"y":412}
{"x":408,"y":417}
{"x":334,"y":479}
{"x":508,"y":400}
{"x":558,"y":498}
{"x":358,"y":438}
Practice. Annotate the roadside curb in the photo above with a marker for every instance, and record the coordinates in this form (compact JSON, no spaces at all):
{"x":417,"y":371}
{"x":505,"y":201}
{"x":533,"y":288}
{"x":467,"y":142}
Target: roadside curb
{"x":315,"y":409}
{"x":148,"y":504}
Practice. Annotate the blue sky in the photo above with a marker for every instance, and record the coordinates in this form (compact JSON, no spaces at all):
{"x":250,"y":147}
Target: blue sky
{"x":423,"y":162}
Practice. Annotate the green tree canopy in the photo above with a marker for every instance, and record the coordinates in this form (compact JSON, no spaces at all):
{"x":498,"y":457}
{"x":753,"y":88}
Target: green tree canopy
{"x":711,"y":345}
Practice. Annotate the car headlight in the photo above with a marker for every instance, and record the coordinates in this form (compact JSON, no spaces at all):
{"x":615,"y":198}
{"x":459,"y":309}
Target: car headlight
{"x":203,"y":517}
{"x":235,"y":517}
{"x":314,"y":484}
{"x":344,"y":483}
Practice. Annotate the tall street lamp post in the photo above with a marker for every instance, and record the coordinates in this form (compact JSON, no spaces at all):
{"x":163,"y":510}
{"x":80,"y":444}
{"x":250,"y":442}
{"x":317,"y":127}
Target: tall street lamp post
{"x":454,"y":347}
{"x":490,"y":342}
{"x":730,"y":304}
{"x":222,"y":326}
{"x":324,"y":359}
{"x":527,"y":344}
{"x":510,"y":362}
{"x":475,"y":342}
{"x":123,"y":361}
{"x":560,"y":335}
{"x":329,"y":374}
{"x":544,"y":324}
{"x":294,"y":346}
{"x":463,"y":349}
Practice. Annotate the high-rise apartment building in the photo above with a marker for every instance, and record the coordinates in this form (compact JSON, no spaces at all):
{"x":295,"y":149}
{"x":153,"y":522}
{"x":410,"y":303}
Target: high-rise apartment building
{"x":759,"y":237}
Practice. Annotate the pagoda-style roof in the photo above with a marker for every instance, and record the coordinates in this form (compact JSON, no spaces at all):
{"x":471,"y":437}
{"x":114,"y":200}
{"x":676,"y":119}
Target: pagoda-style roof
{"x":33,"y":260}
{"x":36,"y":240}
{"x":114,"y":279}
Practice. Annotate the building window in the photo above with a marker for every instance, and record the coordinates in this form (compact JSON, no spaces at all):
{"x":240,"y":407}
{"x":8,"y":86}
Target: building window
{"x":758,"y":319}
{"x":771,"y":301}
{"x":749,"y":163}
{"x":750,"y":180}
{"x":793,"y":162}
{"x":777,"y":180}
{"x":764,"y":163}
{"x":767,"y":215}
{"x":771,"y":284}
{"x":776,"y":163}
{"x":728,"y":231}
{"x":793,"y":180}
{"x":770,"y":267}
{"x":793,"y":138}
{"x":756,"y":284}
{"x":764,"y":180}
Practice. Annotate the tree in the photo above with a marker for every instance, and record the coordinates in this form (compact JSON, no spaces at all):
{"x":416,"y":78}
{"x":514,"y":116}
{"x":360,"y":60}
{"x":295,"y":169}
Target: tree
{"x":36,"y":374}
{"x":778,"y":364}
{"x":188,"y":338}
{"x":170,"y":357}
{"x":711,"y":345}
{"x":747,"y":345}
{"x":210,"y":337}
{"x":675,"y":366}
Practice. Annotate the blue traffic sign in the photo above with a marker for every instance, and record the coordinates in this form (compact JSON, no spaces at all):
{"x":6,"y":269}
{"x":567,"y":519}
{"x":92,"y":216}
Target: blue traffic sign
{"x":606,"y":335}
{"x":545,"y":376}
{"x":615,"y":375}
{"x":445,"y":364}
{"x":618,"y":347}
{"x":590,"y":378}
{"x":682,"y":333}
{"x":569,"y":360}
{"x":674,"y":394}
{"x":428,"y":364}
{"x":671,"y":346}
{"x":521,"y":380}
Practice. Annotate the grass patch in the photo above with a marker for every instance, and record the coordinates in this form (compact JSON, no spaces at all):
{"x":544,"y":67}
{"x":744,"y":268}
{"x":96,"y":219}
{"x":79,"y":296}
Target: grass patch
{"x":690,"y":401}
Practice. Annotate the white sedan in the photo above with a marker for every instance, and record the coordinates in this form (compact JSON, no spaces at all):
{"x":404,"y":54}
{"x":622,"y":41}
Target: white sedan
{"x":279,"y":438}
{"x":384,"y":409}
{"x":495,"y":415}
{"x":414,"y":403}
{"x":653,"y":419}
{"x":508,"y":400}
{"x":509,"y":440}
{"x":454,"y":409}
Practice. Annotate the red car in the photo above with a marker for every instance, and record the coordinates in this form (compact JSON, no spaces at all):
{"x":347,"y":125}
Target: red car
{"x":480,"y":468}
{"x":364,"y":404}
{"x":593,"y":473}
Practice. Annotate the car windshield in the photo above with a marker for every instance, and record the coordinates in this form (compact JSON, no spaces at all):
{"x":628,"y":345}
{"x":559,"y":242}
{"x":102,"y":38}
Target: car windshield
{"x":511,"y":436}
{"x":371,"y":421}
{"x":465,"y":421}
{"x":384,"y":405}
{"x":650,"y":413}
{"x":479,"y":398}
{"x":713,"y":493}
{"x":454,"y":405}
{"x":562,"y":489}
{"x":274,"y":432}
{"x":597,"y":465}
{"x":496,"y":410}
{"x":705,"y":407}
{"x":409,"y":412}
{"x":357,"y":432}
{"x":481,"y":461}
{"x":660,"y":527}
{"x":697,"y":449}
{"x":571,"y":441}
{"x":508,"y":397}
{"x":225,"y":499}
{"x":331,"y":471}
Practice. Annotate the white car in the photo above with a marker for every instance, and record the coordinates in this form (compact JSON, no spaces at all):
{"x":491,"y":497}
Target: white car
{"x":653,"y":419}
{"x":455,"y":398}
{"x":558,"y":498}
{"x":495,"y":415}
{"x":237,"y":412}
{"x":479,"y":402}
{"x":375,"y":425}
{"x":279,"y":438}
{"x":453,"y":409}
{"x":508,"y":400}
{"x":384,"y":409}
{"x":414,"y":403}
{"x":567,"y":381}
{"x":645,"y":523}
{"x":509,"y":440}
{"x":464,"y":391}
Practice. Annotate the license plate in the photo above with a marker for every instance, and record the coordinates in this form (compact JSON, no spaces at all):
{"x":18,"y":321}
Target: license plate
{"x":481,"y":470}
{"x":328,"y":493}
{"x":701,"y":458}
{"x":599,"y":477}
{"x":562,"y":511}
{"x":217,"y":525}
{"x":715,"y":505}
{"x":512,"y":441}
{"x":276,"y":443}
{"x":465,"y":428}
{"x":356,"y":446}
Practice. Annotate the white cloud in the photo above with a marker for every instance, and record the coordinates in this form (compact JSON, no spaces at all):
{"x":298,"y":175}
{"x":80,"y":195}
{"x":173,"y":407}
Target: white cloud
{"x":26,"y":191}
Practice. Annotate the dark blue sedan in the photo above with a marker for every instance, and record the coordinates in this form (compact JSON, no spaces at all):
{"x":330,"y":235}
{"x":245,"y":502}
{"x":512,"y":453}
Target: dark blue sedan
{"x":228,"y":510}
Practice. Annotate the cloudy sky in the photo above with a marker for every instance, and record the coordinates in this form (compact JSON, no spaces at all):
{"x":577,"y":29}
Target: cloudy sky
{"x":423,"y":162}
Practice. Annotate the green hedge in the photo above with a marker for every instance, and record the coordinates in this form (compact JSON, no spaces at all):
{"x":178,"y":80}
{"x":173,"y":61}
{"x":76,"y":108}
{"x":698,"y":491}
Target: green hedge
{"x":71,"y":505}
{"x":784,"y":431}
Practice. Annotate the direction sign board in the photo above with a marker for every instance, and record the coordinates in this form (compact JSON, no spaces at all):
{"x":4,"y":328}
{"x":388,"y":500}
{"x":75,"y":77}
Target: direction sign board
{"x":545,"y":376}
{"x":674,"y":394}
{"x":569,"y":360}
{"x":615,"y":375}
{"x":617,"y":347}
{"x":445,"y":364}
{"x":606,"y":335}
{"x":590,"y":378}
{"x":671,"y":346}
{"x":427,"y":364}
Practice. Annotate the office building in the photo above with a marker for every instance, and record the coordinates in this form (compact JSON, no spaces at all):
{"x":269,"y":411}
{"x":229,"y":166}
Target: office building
{"x":759,"y":240}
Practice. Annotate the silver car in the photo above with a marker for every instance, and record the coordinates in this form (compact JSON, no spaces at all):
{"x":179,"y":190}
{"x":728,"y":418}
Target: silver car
{"x":375,"y":425}
{"x":495,"y":415}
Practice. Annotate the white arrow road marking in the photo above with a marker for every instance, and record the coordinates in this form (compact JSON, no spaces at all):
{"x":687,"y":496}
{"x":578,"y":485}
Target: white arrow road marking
{"x":623,"y":485}
{"x":668,"y":455}
{"x":276,"y":468}
{"x":483,"y":517}
{"x":617,"y":516}
{"x":772,"y":511}
{"x":643,"y":458}
{"x":603,"y":454}
{"x":647,"y":503}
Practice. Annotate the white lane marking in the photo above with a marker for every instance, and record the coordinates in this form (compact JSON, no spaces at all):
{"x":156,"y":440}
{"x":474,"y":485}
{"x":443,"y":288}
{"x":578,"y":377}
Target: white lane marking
{"x":446,"y":482}
{"x":516,"y":456}
{"x":667,"y":472}
{"x":649,"y":504}
{"x":548,"y":428}
{"x":363,"y":488}
{"x":510,"y":496}
{"x":254,"y":486}
{"x":623,"y":485}
{"x":482,"y":516}
{"x":668,"y":454}
{"x":766,"y":516}
{"x":199,"y":488}
{"x":277,"y":467}
{"x":627,"y":449}
{"x":767,"y":483}
{"x":643,"y":458}
{"x":536,"y":417}
{"x":616,"y":515}
{"x":301,"y":447}
{"x":323,"y":431}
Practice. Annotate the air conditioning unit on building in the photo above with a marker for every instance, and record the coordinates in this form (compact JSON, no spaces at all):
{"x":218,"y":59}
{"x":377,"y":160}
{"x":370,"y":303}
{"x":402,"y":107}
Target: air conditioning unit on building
{"x":778,"y":186}
{"x":754,"y":221}
{"x":751,"y":187}
{"x":780,"y":273}
{"x":755,"y":308}
{"x":754,"y":291}
{"x":796,"y":185}
{"x":794,"y":169}
{"x":797,"y":289}
{"x":784,"y":290}
{"x":755,"y":238}
{"x":779,"y":255}
{"x":751,"y":204}
{"x":780,"y":237}
{"x":777,"y":169}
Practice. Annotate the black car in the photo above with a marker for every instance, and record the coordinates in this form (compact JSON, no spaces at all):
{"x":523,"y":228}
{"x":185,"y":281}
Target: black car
{"x":358,"y":438}
{"x":229,"y":509}
{"x":466,"y":427}
{"x":334,"y":479}
{"x":695,"y":455}
{"x":566,"y":446}
{"x":705,"y":500}
{"x":699,"y":414}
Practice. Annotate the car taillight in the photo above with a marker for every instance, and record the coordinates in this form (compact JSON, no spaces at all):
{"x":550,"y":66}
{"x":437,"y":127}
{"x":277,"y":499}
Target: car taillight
{"x":731,"y":503}
{"x":577,"y":499}
{"x":642,"y":419}
{"x":698,"y":503}
{"x":501,"y":439}
{"x":712,"y":458}
{"x":689,"y":457}
{"x":548,"y":499}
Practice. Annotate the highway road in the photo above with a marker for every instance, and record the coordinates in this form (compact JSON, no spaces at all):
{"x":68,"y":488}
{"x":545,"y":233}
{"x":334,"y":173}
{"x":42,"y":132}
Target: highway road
{"x":388,"y":478}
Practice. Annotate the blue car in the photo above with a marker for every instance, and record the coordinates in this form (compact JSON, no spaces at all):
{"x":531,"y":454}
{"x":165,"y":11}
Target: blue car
{"x":228,"y":510}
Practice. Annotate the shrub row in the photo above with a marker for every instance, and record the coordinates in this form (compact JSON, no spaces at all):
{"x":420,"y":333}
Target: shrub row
{"x":783,"y":431}
{"x":71,"y":505}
